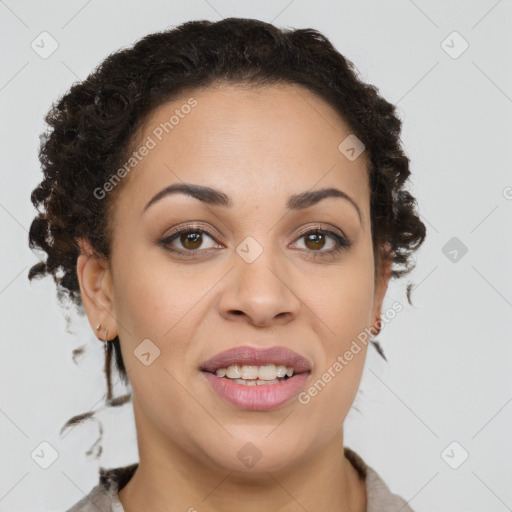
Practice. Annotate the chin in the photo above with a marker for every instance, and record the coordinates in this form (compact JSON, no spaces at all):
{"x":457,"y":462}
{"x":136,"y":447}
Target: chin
{"x":255,"y":456}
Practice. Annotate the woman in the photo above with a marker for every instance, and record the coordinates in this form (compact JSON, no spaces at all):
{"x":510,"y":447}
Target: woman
{"x":227,"y":202}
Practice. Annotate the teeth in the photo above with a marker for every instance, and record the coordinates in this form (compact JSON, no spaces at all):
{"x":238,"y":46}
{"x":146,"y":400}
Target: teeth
{"x":221,"y":372}
{"x":256,"y":382}
{"x":233,"y":372}
{"x":281,"y":370}
{"x":250,"y":372}
{"x":266,"y":372}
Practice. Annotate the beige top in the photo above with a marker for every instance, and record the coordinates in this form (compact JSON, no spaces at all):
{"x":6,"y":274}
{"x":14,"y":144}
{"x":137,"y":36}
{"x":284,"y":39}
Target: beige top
{"x":104,"y":497}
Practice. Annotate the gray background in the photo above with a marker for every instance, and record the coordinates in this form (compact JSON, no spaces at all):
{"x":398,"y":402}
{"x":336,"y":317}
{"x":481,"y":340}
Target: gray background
{"x":448,"y":377}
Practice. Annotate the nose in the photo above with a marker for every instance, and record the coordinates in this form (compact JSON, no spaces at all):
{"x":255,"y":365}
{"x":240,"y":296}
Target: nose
{"x":259,"y":293}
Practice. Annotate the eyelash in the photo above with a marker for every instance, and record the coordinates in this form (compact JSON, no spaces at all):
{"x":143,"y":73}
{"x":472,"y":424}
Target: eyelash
{"x":343,"y":243}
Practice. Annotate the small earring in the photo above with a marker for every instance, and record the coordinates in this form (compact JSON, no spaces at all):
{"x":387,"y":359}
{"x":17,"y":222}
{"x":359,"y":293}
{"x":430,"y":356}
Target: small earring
{"x":105,"y":331}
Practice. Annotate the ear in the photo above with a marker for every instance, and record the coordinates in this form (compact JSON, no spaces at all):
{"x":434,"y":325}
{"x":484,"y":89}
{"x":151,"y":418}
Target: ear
{"x":382,"y":281}
{"x":96,"y":290}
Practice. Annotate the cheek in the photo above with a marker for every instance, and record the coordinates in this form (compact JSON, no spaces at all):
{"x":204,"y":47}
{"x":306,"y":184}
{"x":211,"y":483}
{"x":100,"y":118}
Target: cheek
{"x":157,"y":301}
{"x":343,"y":297}
{"x":333,"y":386}
{"x":153,"y":295}
{"x":343,"y":306}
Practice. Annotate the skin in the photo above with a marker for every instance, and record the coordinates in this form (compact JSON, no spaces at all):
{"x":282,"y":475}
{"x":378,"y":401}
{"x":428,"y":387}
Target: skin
{"x":258,"y":147}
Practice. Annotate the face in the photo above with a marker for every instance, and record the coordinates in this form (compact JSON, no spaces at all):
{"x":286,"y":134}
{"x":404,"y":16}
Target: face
{"x":251,"y":269}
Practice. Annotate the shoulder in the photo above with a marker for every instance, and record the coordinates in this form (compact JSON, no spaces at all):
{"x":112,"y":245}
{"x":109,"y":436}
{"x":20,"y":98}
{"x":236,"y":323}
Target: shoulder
{"x":104,"y":497}
{"x":379,"y":497}
{"x":98,"y":500}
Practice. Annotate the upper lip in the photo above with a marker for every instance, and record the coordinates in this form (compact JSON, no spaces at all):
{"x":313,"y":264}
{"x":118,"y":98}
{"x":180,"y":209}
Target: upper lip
{"x":254,"y":356}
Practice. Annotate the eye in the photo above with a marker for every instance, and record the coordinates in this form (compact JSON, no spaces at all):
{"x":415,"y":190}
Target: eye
{"x":316,"y":239}
{"x":190,"y":238}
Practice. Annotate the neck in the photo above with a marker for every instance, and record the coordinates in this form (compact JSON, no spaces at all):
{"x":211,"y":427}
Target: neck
{"x":170,"y":479}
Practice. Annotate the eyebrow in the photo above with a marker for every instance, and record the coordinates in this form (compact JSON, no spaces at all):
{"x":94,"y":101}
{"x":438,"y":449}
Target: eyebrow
{"x":217,"y":198}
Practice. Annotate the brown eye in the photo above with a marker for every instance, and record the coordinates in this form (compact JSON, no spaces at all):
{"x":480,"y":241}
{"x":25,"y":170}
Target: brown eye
{"x":191,"y":240}
{"x":315,"y":240}
{"x":188,"y":241}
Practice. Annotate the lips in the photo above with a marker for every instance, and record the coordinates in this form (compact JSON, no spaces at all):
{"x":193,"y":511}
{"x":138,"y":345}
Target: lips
{"x":257,"y":398}
{"x":251,"y":356}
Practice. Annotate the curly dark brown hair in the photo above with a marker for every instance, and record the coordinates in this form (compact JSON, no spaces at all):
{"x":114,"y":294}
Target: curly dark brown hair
{"x":94,"y":125}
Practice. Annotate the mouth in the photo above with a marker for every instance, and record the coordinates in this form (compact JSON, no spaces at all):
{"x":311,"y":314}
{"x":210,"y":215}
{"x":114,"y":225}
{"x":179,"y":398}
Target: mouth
{"x":256,"y":379}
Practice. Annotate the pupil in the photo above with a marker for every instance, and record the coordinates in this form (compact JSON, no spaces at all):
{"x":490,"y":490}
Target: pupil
{"x":191,"y":238}
{"x":315,"y":239}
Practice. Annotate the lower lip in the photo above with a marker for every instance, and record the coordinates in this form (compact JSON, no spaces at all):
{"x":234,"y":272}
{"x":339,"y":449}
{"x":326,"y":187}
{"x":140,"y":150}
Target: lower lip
{"x":257,"y":398}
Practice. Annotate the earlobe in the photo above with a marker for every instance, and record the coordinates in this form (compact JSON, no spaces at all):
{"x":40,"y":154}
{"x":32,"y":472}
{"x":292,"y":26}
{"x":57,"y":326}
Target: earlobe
{"x":95,"y":281}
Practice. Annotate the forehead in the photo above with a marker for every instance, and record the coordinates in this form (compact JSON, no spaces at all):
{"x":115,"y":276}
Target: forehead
{"x":251,"y":143}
